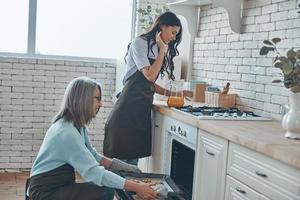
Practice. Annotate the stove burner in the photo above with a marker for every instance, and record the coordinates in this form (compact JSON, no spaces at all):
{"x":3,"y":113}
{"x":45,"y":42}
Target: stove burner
{"x":205,"y":112}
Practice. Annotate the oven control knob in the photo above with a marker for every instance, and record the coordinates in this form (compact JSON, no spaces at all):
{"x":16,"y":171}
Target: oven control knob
{"x":234,"y":114}
{"x":244,"y":115}
{"x":173,"y":128}
{"x":184,"y":133}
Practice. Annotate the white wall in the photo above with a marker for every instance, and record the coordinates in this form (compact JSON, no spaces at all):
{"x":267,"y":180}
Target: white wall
{"x":30,"y":94}
{"x":220,"y":55}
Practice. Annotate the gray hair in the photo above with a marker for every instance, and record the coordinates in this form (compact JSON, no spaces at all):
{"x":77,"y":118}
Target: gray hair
{"x":77,"y":103}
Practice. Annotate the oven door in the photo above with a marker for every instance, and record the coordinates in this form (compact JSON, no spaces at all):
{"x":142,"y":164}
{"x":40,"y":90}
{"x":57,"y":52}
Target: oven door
{"x":181,"y":166}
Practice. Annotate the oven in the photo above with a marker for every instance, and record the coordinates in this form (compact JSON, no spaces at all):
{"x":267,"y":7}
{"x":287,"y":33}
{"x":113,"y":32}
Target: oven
{"x":180,"y":147}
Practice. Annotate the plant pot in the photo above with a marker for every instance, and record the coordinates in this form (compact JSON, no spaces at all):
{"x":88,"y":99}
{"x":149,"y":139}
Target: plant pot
{"x":291,"y":120}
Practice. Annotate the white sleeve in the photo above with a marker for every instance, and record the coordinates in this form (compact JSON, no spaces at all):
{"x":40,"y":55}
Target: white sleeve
{"x":139,"y":50}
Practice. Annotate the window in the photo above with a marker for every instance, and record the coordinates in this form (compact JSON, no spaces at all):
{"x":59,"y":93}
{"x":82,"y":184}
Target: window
{"x":14,"y":24}
{"x":84,"y":28}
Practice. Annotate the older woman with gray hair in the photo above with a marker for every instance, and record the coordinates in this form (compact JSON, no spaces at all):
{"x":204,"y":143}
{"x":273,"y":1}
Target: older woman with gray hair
{"x":66,"y":148}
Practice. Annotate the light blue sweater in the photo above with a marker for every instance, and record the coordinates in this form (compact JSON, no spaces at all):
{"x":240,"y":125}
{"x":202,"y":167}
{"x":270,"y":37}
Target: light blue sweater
{"x":63,"y":144}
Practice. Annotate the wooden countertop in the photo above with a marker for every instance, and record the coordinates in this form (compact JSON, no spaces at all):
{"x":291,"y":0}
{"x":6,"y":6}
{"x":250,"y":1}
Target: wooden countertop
{"x":266,"y":137}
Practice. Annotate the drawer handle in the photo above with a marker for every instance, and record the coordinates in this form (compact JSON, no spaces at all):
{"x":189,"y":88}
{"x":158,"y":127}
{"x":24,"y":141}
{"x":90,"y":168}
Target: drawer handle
{"x":210,"y":153}
{"x":258,"y":173}
{"x":240,"y":190}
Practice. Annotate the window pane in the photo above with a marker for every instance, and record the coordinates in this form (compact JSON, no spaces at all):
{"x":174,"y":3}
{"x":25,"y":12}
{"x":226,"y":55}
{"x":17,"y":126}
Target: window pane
{"x":14,"y":25}
{"x":88,"y":28}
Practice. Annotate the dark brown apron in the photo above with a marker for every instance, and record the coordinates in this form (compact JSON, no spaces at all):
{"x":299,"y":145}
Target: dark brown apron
{"x":128,"y":127}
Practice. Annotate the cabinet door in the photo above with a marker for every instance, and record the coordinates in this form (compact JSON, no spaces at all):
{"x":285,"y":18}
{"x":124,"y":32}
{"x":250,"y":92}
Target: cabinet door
{"x":269,"y":177}
{"x":211,"y":167}
{"x":155,"y":161}
{"x":262,"y":197}
{"x":235,"y":190}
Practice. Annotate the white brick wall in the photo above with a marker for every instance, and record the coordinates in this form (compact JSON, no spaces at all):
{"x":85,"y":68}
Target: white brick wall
{"x":220,"y":55}
{"x":30,"y":94}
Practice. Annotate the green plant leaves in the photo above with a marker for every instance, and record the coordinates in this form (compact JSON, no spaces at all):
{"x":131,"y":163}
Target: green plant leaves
{"x":268,"y":42}
{"x":287,"y":68}
{"x":289,"y":64}
{"x":276,"y":40}
{"x":298,"y":54}
{"x":265,"y":50}
{"x":291,"y":53}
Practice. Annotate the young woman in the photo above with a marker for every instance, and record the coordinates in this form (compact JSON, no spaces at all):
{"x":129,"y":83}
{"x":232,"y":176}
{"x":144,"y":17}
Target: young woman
{"x":128,"y":127}
{"x":66,"y":148}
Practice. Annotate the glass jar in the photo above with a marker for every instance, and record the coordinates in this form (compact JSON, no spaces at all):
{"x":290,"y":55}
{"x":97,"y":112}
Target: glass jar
{"x":175,"y":99}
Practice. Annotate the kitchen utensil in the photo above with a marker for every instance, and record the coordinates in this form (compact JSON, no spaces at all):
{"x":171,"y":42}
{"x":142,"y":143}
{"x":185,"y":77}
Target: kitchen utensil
{"x":226,"y":88}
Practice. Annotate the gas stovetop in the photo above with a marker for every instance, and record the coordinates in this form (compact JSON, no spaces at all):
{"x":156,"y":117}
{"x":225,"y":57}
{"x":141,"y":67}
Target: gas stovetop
{"x":220,"y":113}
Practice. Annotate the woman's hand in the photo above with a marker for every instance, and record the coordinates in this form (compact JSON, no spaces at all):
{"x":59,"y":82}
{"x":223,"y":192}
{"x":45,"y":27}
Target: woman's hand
{"x":141,"y":189}
{"x":161,"y":45}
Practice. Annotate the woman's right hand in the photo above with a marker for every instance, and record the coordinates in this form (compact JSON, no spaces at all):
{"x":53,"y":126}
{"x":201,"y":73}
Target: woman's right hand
{"x":161,"y":45}
{"x":141,"y":189}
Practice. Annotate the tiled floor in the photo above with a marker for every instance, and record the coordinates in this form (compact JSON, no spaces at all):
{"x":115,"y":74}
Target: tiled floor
{"x":12,"y":185}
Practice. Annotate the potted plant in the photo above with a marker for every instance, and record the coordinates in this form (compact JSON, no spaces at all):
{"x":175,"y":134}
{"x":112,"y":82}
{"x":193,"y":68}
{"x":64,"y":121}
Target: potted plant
{"x":290,"y":67}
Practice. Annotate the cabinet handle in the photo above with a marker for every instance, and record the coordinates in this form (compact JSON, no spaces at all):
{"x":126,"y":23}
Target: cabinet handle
{"x":240,"y":190}
{"x":258,"y":173}
{"x":210,"y":153}
{"x":156,"y":125}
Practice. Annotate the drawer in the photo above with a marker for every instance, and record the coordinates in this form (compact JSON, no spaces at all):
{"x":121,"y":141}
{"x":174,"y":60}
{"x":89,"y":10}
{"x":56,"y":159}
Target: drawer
{"x":237,"y":190}
{"x":265,"y":175}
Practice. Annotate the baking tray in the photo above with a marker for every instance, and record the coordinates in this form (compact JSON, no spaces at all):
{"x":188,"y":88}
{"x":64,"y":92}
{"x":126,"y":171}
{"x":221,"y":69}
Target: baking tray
{"x":173,"y":190}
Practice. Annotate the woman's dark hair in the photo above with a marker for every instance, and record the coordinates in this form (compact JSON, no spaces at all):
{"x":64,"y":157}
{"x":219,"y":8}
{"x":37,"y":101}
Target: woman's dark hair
{"x":167,"y":19}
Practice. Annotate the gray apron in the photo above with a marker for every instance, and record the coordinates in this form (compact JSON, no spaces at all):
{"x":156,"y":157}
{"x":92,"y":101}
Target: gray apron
{"x":128,"y":127}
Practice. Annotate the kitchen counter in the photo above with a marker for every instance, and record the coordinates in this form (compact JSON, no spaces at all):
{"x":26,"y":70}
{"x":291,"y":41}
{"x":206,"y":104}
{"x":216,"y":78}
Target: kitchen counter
{"x":266,"y":137}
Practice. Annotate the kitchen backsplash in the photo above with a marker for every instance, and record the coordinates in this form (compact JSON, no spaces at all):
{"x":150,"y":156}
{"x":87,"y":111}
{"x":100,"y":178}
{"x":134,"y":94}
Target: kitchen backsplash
{"x":31,"y":92}
{"x":221,"y":56}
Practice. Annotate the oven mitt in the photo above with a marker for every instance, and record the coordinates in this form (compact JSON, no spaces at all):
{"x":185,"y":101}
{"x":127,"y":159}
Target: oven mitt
{"x":162,"y":192}
{"x":120,"y":166}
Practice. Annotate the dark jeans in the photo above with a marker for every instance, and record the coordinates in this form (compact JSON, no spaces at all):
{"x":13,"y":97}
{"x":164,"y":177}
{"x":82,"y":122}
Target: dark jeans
{"x":84,"y":191}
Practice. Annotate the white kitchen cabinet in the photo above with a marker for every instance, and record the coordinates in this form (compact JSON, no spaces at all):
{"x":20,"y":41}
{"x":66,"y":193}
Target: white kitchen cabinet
{"x":263,"y":174}
{"x":210,"y":172}
{"x":155,"y":163}
{"x":235,"y":190}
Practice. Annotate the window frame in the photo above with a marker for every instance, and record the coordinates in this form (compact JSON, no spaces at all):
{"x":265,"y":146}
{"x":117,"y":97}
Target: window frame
{"x":31,"y":39}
